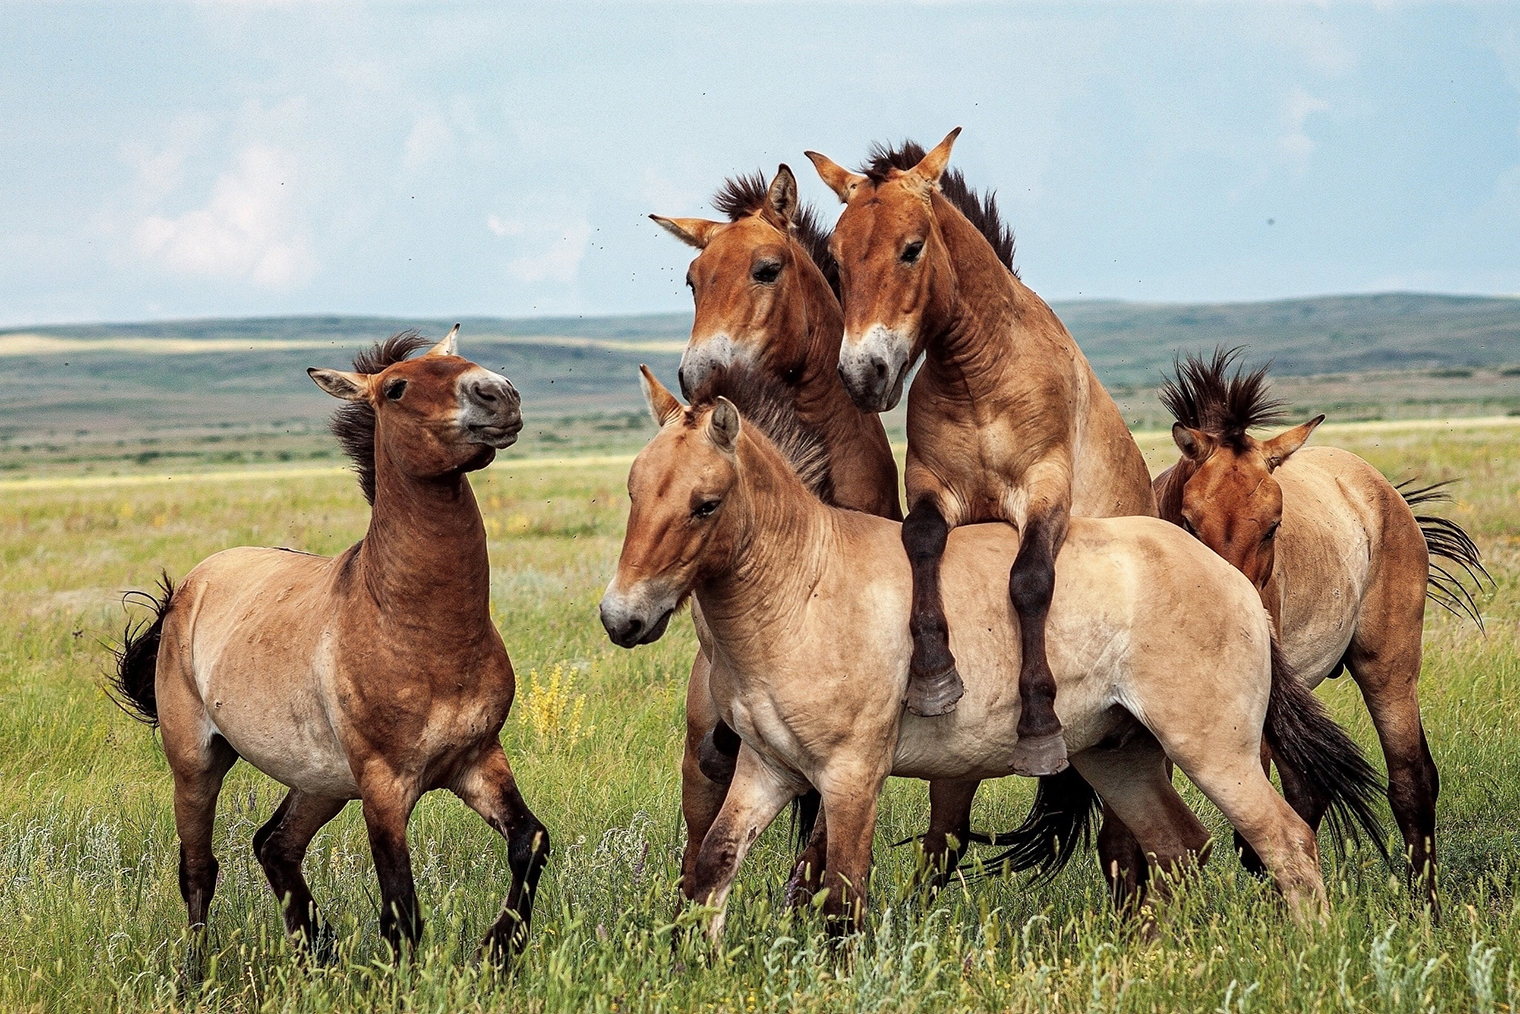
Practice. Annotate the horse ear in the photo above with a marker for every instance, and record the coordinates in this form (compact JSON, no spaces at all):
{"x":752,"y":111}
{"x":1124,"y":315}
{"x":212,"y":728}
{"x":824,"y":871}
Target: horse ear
{"x":781,"y":197}
{"x":840,"y":180}
{"x":1194,"y":444}
{"x":723,"y":425}
{"x":691,"y":231}
{"x":348,"y":386}
{"x":1285,"y":443}
{"x":932,"y":166}
{"x":663,"y":405}
{"x":448,"y":347}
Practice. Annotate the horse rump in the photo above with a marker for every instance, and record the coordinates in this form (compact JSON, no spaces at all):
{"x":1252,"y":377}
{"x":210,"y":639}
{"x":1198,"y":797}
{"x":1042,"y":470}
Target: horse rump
{"x":1306,"y":740}
{"x":1446,"y":540}
{"x":132,"y":687}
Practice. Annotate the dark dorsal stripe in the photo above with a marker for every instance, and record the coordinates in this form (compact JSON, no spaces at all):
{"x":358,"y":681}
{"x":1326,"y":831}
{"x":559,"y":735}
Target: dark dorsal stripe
{"x":766,"y":404}
{"x":745,"y":194}
{"x":980,"y":210}
{"x":354,"y":422}
{"x":1206,"y":395}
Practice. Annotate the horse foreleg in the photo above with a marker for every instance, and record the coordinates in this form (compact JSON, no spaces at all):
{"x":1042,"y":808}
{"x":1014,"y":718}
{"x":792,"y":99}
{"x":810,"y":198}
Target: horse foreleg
{"x":807,"y":872}
{"x":1041,"y":749}
{"x":851,"y":805}
{"x":755,"y":797}
{"x":934,"y":685}
{"x":949,"y":830}
{"x":1124,"y":862}
{"x":388,"y":802}
{"x":490,"y":790}
{"x":280,"y":846}
{"x":701,"y":795}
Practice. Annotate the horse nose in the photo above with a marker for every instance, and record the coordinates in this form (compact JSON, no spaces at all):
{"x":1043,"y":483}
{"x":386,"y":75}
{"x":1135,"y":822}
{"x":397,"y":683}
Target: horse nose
{"x":623,"y":628}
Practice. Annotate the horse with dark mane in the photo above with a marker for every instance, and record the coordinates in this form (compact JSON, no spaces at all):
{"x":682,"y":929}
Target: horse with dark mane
{"x":1162,"y":650}
{"x":375,"y":675}
{"x":1338,"y":556}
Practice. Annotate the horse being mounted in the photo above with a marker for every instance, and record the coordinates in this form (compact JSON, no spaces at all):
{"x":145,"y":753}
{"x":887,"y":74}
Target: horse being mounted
{"x":1340,"y":560}
{"x":375,"y":675}
{"x":1006,"y":420}
{"x":1158,"y":644}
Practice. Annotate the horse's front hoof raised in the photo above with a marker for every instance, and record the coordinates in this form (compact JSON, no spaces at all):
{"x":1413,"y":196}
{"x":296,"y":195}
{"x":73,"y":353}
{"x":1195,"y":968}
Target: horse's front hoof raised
{"x":930,"y":696}
{"x":1037,"y":756}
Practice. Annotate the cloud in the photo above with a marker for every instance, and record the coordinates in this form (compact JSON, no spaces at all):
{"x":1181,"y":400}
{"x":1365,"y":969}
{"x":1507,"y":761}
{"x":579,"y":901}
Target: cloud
{"x":560,"y":261}
{"x":1295,"y":143}
{"x":248,"y":229}
{"x":552,"y":237}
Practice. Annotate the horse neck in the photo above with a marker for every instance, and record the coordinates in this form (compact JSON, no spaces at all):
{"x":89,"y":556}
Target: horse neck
{"x":993,"y":321}
{"x":779,"y":546}
{"x":424,"y":555}
{"x":1168,"y":488}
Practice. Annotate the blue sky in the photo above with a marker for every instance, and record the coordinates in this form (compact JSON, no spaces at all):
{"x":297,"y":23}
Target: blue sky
{"x":217,"y":159}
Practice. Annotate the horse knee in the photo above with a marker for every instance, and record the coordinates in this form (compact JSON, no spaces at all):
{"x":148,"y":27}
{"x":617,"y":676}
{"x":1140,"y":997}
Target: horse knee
{"x":528,"y":847}
{"x":1031,"y":585}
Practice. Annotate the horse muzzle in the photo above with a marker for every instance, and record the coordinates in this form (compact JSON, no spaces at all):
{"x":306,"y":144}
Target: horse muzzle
{"x":706,"y":360}
{"x":631,"y":620}
{"x":874,"y":369}
{"x":490,"y":409}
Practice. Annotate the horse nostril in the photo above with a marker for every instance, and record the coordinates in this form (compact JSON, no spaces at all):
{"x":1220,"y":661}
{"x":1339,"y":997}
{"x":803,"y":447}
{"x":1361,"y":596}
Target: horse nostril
{"x":681,"y":377}
{"x":484,"y":393}
{"x":881,"y":369}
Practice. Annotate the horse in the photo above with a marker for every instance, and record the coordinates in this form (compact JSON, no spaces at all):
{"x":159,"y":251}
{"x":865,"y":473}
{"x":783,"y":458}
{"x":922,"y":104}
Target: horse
{"x":1006,"y":419}
{"x":1160,"y":647}
{"x":375,"y":675}
{"x":766,"y":311}
{"x":1338,"y":556}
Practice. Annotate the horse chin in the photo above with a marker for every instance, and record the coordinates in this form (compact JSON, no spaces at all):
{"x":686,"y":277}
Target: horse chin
{"x":658,"y":630}
{"x":897,"y":390}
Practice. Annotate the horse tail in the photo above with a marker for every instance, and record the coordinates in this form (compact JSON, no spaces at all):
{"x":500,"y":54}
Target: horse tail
{"x":1445,"y":540}
{"x":133,"y":685}
{"x":805,"y":816}
{"x":1060,"y":820}
{"x":1305,"y":739}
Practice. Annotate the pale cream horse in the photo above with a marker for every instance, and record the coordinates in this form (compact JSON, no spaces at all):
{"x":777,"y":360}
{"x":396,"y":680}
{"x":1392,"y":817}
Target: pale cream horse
{"x":1161,"y":649}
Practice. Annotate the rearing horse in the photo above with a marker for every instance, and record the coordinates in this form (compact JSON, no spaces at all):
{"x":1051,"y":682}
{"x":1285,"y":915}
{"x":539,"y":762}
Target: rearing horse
{"x":1006,"y":420}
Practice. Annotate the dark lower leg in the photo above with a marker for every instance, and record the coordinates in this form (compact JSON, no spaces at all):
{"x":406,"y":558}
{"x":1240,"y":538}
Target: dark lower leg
{"x":949,"y":829}
{"x":934,"y":685}
{"x":195,"y":795}
{"x":807,"y":873}
{"x":494,"y":795}
{"x":1413,"y":785}
{"x":1125,"y":866}
{"x":1031,"y":583}
{"x":280,"y":846}
{"x":386,"y":821}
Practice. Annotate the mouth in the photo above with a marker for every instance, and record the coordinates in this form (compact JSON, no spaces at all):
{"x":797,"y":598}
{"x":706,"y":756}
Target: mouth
{"x":641,"y":635}
{"x":497,"y":435}
{"x":895,"y":395}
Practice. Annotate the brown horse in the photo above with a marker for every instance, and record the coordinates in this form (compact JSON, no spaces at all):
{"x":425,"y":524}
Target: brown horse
{"x":375,"y":675}
{"x":1006,"y":420}
{"x":766,"y":312}
{"x":805,"y":605}
{"x":1339,"y":558}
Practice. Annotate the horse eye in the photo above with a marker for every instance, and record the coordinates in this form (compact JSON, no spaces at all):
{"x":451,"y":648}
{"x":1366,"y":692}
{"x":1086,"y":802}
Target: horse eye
{"x":1187,"y":526}
{"x":766,"y":272}
{"x":689,"y":283}
{"x":912,"y":250}
{"x":1272,"y":532}
{"x":395,"y":389}
{"x":706,"y":509}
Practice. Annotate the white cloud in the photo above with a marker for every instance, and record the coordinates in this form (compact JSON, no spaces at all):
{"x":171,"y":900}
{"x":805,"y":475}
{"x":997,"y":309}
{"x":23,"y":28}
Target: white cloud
{"x":1295,"y":143}
{"x":560,"y":261}
{"x":248,"y":229}
{"x":550,"y":238}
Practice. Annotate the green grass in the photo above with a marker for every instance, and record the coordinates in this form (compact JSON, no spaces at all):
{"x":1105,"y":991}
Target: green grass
{"x":92,"y":918}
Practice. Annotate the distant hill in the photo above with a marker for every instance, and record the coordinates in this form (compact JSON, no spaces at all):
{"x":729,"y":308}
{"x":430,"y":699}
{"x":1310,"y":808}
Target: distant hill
{"x":144,"y":376}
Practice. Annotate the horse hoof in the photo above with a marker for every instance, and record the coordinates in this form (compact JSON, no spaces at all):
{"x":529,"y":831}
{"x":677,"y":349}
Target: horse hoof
{"x":715,"y":765}
{"x":930,"y":696}
{"x":1037,"y":756}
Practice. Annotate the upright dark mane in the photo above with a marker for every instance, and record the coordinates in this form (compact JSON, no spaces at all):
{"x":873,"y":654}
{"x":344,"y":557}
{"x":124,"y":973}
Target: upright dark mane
{"x":1205,"y":395}
{"x":745,"y":194}
{"x":766,"y":404}
{"x":354,"y":422}
{"x":981,"y":211}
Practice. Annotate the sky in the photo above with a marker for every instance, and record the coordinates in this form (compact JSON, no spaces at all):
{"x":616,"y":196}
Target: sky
{"x":247,"y":158}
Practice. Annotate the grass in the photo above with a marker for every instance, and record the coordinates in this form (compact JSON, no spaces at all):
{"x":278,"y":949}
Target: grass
{"x":93,"y":920}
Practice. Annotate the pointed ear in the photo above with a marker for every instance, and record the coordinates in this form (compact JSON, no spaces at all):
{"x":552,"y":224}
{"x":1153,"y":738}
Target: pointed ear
{"x":448,"y":347}
{"x":1285,"y":443}
{"x":840,"y":180}
{"x":348,"y":386}
{"x":781,"y":197}
{"x":723,"y":426}
{"x":691,"y":231}
{"x":1194,"y":444}
{"x":932,"y":166}
{"x":663,"y":406}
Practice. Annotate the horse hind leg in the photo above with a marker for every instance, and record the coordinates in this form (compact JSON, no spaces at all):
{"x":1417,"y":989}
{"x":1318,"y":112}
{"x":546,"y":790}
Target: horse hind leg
{"x":949,"y":831}
{"x":490,"y":789}
{"x":198,"y":776}
{"x":280,"y":846}
{"x":934,"y":684}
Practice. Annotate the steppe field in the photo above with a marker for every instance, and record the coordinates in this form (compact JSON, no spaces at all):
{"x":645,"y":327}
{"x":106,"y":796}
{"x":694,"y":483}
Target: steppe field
{"x":91,"y":919}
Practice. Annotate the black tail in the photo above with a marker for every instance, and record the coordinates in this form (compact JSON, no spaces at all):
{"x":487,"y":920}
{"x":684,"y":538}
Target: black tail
{"x":1445,"y":540}
{"x":131,"y":686}
{"x":1060,"y":821}
{"x":1306,"y":739}
{"x":805,"y":816}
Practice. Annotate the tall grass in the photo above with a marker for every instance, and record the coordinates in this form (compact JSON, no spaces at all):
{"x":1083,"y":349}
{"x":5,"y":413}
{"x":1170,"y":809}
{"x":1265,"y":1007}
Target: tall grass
{"x":91,"y":919}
